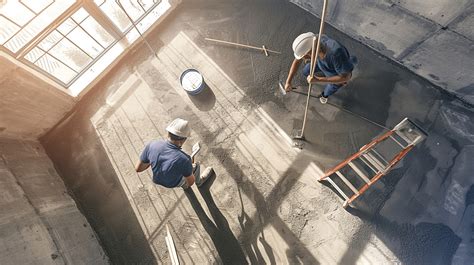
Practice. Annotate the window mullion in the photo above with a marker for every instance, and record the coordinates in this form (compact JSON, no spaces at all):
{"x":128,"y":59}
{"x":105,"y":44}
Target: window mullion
{"x":35,"y":41}
{"x":103,"y":20}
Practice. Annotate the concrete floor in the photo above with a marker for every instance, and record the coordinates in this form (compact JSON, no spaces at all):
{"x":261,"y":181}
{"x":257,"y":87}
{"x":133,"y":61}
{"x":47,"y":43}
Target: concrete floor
{"x":39,"y":222}
{"x":265,"y":205}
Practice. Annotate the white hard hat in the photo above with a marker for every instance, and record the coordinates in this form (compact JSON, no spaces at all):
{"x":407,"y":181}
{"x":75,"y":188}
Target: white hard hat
{"x":303,"y":44}
{"x":179,"y":127}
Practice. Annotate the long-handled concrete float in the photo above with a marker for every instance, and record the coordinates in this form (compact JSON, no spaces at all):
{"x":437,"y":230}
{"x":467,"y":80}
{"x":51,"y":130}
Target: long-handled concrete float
{"x":299,"y":135}
{"x":263,"y":48}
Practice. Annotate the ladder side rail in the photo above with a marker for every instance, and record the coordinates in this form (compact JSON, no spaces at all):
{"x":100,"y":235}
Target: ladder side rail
{"x":356,"y":155}
{"x":398,"y":157}
{"x":394,"y":161}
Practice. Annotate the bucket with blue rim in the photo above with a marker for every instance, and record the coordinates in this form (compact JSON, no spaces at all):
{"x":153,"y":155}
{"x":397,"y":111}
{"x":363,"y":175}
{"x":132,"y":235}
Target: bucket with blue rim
{"x":192,"y":81}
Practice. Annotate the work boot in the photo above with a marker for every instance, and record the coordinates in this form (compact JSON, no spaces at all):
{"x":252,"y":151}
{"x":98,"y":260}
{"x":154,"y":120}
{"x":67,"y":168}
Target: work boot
{"x":323,"y":99}
{"x":205,"y":176}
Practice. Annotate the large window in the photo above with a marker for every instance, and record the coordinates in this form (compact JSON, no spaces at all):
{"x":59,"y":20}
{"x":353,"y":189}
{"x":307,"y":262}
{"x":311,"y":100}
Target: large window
{"x":66,"y":39}
{"x":72,"y":47}
{"x":23,"y":20}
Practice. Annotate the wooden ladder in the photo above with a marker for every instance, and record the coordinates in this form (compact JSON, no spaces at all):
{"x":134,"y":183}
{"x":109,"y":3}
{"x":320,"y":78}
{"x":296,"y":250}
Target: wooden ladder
{"x":369,"y":165}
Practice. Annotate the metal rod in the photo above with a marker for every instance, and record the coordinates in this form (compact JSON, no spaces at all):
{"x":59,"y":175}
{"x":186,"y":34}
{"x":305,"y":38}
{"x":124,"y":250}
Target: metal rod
{"x":242,"y":45}
{"x":311,"y":74}
{"x":136,"y":28}
{"x":314,"y":55}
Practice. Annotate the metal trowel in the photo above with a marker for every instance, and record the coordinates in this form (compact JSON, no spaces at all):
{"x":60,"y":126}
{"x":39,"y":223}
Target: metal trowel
{"x":195,"y":150}
{"x":282,"y":88}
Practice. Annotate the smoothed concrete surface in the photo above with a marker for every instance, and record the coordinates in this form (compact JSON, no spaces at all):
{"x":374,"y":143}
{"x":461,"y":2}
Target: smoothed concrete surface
{"x":39,"y":221}
{"x":264,"y":205}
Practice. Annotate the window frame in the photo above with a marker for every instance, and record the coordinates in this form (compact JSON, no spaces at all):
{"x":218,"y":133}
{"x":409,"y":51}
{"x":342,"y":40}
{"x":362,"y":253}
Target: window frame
{"x":97,"y":14}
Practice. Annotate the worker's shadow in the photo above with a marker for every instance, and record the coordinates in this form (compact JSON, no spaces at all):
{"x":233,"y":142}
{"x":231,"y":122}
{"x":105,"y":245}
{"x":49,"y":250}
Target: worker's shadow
{"x":205,"y":100}
{"x":250,"y":243}
{"x":221,"y":235}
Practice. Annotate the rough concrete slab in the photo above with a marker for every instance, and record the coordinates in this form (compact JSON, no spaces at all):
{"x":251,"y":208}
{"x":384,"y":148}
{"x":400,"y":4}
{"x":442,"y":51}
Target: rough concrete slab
{"x":446,"y":59}
{"x":26,"y":240}
{"x":75,"y":239}
{"x":29,"y":105}
{"x":39,"y":221}
{"x":464,"y":24}
{"x":439,"y":11}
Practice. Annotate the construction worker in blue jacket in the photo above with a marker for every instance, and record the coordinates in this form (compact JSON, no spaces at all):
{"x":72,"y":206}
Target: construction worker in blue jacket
{"x":334,"y":64}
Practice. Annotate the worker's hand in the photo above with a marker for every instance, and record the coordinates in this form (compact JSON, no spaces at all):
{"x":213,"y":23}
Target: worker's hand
{"x":313,"y":79}
{"x":288,"y":87}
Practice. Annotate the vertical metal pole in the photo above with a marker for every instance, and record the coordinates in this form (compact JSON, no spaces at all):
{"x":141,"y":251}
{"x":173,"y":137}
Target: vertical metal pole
{"x":135,"y":26}
{"x":314,"y":55}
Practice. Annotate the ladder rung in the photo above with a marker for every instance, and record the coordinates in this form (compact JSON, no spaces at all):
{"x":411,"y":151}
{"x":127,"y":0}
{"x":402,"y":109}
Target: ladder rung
{"x":380,"y":156}
{"x":359,"y":172}
{"x":374,"y":162}
{"x":363,"y":159}
{"x":338,"y":189}
{"x":347,"y":182}
{"x":404,"y":138}
{"x":398,"y":142}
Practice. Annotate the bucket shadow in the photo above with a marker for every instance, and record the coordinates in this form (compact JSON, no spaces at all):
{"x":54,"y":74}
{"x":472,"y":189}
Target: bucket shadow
{"x":205,"y":100}
{"x":225,"y":242}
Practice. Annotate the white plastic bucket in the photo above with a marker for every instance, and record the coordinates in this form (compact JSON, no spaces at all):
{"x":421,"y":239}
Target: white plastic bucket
{"x":192,"y":81}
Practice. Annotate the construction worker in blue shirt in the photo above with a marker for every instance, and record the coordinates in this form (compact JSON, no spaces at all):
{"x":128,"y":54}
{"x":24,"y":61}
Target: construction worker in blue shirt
{"x":334,"y":64}
{"x":170,"y":165}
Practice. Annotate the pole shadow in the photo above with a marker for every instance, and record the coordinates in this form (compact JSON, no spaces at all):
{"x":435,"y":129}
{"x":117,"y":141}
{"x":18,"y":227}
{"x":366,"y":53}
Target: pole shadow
{"x":225,"y":242}
{"x":250,"y":242}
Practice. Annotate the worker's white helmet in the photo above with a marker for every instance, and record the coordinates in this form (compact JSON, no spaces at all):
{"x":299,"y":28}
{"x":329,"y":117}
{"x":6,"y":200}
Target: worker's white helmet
{"x":303,"y":44}
{"x":179,"y":127}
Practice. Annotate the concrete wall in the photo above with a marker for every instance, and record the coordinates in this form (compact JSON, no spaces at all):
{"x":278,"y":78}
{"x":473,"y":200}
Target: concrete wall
{"x":39,"y":221}
{"x":29,"y":104}
{"x":433,"y":38}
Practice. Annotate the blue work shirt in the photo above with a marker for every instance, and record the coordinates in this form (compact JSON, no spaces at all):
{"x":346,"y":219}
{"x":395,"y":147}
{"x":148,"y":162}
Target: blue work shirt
{"x":337,"y":60}
{"x":168,"y":163}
